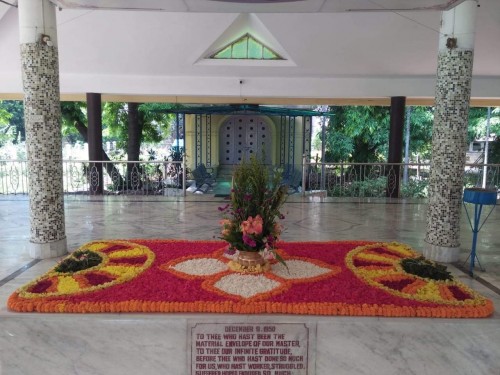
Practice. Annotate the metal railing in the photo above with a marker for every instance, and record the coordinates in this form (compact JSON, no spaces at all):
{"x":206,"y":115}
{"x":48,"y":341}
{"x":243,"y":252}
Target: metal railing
{"x":166,"y":178}
{"x":169,"y":178}
{"x":386,"y":180}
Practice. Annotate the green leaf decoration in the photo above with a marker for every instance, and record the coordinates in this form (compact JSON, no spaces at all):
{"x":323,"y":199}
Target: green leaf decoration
{"x":78,"y":261}
{"x":425,"y":268}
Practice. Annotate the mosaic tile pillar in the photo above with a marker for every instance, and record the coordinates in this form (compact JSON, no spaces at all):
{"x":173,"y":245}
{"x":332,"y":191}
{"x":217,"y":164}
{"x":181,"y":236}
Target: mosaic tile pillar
{"x":449,"y":137}
{"x":42,"y":114}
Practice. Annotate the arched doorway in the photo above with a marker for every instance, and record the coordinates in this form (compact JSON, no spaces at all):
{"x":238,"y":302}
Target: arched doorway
{"x":243,"y":136}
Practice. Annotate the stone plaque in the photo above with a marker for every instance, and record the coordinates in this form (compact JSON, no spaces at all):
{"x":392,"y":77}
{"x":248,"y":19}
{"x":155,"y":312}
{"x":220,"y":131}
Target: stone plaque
{"x":251,"y":348}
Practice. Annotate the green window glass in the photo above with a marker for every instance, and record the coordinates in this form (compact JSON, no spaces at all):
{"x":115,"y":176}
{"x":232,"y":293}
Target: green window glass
{"x":246,"y":48}
{"x":267,"y":54}
{"x":240,"y":49}
{"x":225,"y":53}
{"x":254,"y":49}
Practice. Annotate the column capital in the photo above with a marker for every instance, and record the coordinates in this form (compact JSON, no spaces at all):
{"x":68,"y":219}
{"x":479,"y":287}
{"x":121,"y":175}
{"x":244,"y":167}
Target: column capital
{"x":459,"y":23}
{"x":37,"y":18}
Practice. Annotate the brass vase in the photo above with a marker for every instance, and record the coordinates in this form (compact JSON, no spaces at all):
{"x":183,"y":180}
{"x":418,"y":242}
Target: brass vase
{"x":250,"y":259}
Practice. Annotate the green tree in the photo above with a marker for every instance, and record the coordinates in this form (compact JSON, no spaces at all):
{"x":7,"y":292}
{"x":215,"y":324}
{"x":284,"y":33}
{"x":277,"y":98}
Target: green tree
{"x":357,"y":134}
{"x":133,"y":123}
{"x":12,"y":121}
{"x":5,"y":128}
{"x":494,"y":147}
{"x":476,"y":116}
{"x":478,"y":119}
{"x":421,"y":122}
{"x":129,"y":124}
{"x":494,"y":152}
{"x":74,"y":120}
{"x":4,"y":115}
{"x":361,"y":133}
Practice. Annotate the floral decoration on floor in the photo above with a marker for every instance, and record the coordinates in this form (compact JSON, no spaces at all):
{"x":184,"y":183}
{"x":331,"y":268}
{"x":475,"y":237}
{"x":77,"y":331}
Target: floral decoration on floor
{"x":119,"y":262}
{"x":250,"y":225}
{"x":218,"y":278}
{"x":320,"y":278}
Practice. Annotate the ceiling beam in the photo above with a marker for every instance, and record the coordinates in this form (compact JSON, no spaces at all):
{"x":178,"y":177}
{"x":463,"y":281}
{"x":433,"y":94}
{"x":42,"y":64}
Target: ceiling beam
{"x":379,"y":101}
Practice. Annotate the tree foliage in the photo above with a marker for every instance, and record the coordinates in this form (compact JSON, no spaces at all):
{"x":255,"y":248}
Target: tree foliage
{"x":478,"y":118}
{"x":353,"y":133}
{"x":4,"y":114}
{"x":482,"y":121}
{"x":74,"y":114}
{"x":152,"y":119}
{"x":421,"y":122}
{"x":357,"y":133}
{"x":361,"y":133}
{"x":494,"y":152}
{"x":12,"y":121}
{"x":494,"y":147}
{"x":5,"y":128}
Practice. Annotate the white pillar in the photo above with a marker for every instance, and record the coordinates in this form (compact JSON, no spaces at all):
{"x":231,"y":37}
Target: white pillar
{"x":459,"y":23}
{"x":449,"y":139}
{"x":37,"y":18}
{"x":42,"y":115}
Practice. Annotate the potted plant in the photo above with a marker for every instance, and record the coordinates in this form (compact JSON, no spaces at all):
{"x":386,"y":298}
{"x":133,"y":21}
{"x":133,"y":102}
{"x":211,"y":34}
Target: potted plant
{"x":250,"y":224}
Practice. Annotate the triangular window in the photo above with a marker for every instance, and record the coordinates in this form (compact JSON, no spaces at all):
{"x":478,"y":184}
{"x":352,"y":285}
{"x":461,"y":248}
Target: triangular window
{"x":246,"y":48}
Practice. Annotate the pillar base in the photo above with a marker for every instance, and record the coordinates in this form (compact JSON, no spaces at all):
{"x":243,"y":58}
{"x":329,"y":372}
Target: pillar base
{"x":442,"y":254}
{"x":48,"y":250}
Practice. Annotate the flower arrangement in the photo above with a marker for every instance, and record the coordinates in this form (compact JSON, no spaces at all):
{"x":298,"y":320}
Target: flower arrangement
{"x":250,"y":222}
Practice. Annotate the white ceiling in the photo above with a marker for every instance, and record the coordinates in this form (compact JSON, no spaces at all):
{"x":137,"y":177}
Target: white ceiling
{"x":258,"y":6}
{"x":332,"y":53}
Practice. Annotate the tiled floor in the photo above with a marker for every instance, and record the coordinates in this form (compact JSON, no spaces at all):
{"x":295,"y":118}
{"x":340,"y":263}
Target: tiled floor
{"x":157,"y":343}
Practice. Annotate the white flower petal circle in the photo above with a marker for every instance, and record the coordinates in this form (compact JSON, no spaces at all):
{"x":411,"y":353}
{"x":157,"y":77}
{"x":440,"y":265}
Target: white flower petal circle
{"x":201,"y":266}
{"x":245,"y":286}
{"x":298,"y":269}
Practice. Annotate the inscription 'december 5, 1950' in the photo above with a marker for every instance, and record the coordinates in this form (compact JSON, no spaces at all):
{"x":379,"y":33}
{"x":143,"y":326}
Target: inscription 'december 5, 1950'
{"x":249,"y":349}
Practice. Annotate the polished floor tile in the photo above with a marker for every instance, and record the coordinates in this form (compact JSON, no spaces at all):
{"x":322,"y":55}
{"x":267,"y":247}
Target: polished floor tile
{"x":157,"y":343}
